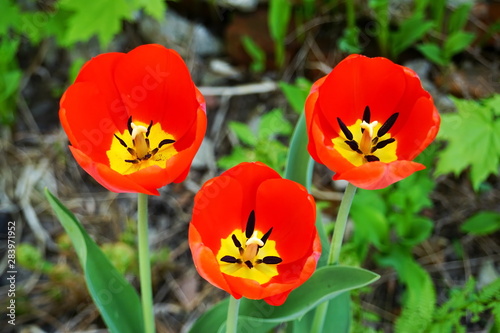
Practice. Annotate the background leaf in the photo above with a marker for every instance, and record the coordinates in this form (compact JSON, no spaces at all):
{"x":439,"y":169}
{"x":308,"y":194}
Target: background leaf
{"x":117,"y":301}
{"x":482,"y":223}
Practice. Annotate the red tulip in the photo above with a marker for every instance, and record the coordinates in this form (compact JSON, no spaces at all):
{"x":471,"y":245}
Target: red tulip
{"x":253,"y":233}
{"x":368,"y":119}
{"x":134,"y":120}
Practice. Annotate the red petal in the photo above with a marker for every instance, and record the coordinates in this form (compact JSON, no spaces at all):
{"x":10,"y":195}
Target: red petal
{"x":89,"y":125}
{"x":206,"y":263}
{"x":155,"y":84}
{"x":218,"y":210}
{"x":286,"y":207}
{"x":377,"y":175}
{"x":357,"y":82}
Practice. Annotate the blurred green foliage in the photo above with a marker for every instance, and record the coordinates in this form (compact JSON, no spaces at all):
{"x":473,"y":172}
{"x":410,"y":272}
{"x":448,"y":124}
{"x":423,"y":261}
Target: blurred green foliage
{"x":474,"y":128}
{"x":68,"y":23}
{"x":261,"y":144}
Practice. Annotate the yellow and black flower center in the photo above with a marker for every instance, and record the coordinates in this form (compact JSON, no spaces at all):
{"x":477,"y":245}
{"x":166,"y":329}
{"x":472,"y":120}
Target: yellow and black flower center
{"x":256,"y":258}
{"x":132,"y":150}
{"x":366,"y":141}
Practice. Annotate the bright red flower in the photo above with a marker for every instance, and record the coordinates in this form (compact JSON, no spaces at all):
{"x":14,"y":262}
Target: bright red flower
{"x":368,"y":119}
{"x":134,"y":120}
{"x":253,"y":233}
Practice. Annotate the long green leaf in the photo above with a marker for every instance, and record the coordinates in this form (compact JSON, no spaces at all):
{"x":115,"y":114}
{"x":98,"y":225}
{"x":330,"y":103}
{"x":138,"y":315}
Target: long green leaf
{"x":115,"y":298}
{"x":258,"y":316}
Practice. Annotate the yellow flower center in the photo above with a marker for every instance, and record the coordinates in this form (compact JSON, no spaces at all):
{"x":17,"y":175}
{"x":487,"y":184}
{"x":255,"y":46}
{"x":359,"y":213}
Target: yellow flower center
{"x":140,"y":146}
{"x":366,"y":141}
{"x":255,"y":259}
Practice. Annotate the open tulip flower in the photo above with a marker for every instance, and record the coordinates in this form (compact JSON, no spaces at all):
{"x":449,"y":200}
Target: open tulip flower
{"x":134,"y":120}
{"x":253,"y":233}
{"x":368,"y":119}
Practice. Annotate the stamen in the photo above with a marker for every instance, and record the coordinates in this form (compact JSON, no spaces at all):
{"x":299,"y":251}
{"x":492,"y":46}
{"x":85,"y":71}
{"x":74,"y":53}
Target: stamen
{"x":129,"y":125}
{"x":132,"y":161}
{"x":345,"y":130}
{"x":354,"y":146}
{"x":387,"y":125}
{"x":230,"y":259}
{"x":366,"y":115}
{"x":371,"y":158}
{"x":236,"y":241}
{"x":249,"y":264}
{"x":384,"y":143}
{"x":266,"y":236}
{"x":250,"y":224}
{"x":149,"y":128}
{"x":271,"y":260}
{"x":121,"y":141}
{"x":165,"y":142}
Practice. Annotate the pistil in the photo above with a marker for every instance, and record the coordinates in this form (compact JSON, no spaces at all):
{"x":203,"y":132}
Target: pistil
{"x":140,"y":145}
{"x":252,"y":248}
{"x":366,"y":139}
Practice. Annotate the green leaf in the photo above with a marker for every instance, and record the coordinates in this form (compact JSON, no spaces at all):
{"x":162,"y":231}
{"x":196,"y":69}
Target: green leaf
{"x":483,"y":223}
{"x":456,"y":43}
{"x":102,"y":18}
{"x":433,"y":52}
{"x":278,"y":18}
{"x":154,"y":8}
{"x":420,"y":297}
{"x":11,"y":16}
{"x":273,"y":123}
{"x":337,"y":319}
{"x":256,"y":53}
{"x":299,"y":165}
{"x":115,"y":298}
{"x":296,"y":94}
{"x":243,"y":132}
{"x":237,"y":156}
{"x":474,"y":127}
{"x":410,"y":31}
{"x":458,"y":17}
{"x":325,"y":284}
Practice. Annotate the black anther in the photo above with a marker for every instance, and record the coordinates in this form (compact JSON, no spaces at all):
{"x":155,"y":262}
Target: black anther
{"x":230,"y":259}
{"x":371,"y":158}
{"x":354,"y":146}
{"x":387,"y":125}
{"x":129,"y":125}
{"x":165,"y":142}
{"x":266,"y":236}
{"x":250,"y":225}
{"x":121,"y":141}
{"x":345,"y":130}
{"x":149,"y":128}
{"x":271,"y":260}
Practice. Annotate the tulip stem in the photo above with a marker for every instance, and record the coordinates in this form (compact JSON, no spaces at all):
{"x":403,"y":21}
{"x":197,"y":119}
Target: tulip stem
{"x":340,"y":224}
{"x":334,"y":254}
{"x":232,"y":315}
{"x":144,"y":263}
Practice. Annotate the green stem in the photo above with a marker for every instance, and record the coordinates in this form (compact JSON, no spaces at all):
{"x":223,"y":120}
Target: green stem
{"x":340,"y":224}
{"x":144,"y":263}
{"x":232,"y":315}
{"x":334,"y":254}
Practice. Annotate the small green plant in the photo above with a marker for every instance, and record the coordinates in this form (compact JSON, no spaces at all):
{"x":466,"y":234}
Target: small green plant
{"x":279,"y":14}
{"x":10,"y":79}
{"x":474,"y":127}
{"x":470,"y":302}
{"x":260,"y":145}
{"x":256,"y":53}
{"x":455,"y":39}
{"x":296,"y":94}
{"x":390,"y":221}
{"x":482,"y":223}
{"x":392,"y":42}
